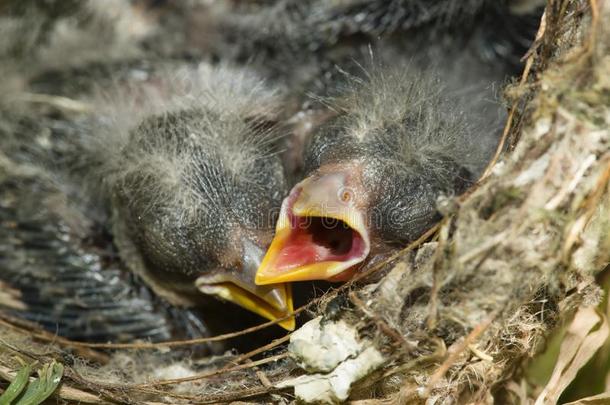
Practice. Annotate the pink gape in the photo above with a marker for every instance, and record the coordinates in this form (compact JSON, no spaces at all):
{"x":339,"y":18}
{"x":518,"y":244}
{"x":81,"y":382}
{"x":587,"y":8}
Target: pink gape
{"x":315,"y":239}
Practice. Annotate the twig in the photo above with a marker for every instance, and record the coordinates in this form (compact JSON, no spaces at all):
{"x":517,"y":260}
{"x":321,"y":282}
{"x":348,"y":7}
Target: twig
{"x":259,"y":350}
{"x":42,"y":334}
{"x":232,"y":396}
{"x":569,"y":187}
{"x":212,"y":373}
{"x":573,"y":233}
{"x":176,"y":343}
{"x":261,"y":375}
{"x":438,"y":255}
{"x":45,"y":336}
{"x":526,"y":71}
{"x":60,"y":102}
{"x":594,"y":24}
{"x":381,"y":324}
{"x":483,"y":248}
{"x":461,"y":348}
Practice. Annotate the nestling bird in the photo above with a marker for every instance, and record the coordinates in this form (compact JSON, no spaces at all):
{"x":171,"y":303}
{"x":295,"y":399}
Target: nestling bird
{"x":403,"y":135}
{"x":173,"y":175}
{"x":196,"y":184}
{"x":374,"y":174}
{"x":116,"y":168}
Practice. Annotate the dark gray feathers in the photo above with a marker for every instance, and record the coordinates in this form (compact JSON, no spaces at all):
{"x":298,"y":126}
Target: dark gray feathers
{"x":414,"y":141}
{"x":58,"y":264}
{"x":120,"y":163}
{"x":109,"y":168}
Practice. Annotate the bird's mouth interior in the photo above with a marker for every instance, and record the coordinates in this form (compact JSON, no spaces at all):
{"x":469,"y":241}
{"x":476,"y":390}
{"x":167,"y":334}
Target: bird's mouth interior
{"x":318,"y":239}
{"x":314,"y":244}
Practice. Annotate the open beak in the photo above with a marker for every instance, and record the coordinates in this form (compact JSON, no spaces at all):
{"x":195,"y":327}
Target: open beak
{"x":269,"y":301}
{"x":321,"y":233}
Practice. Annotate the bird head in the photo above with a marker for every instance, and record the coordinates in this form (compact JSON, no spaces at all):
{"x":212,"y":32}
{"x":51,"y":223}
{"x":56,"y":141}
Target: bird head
{"x":199,"y":208}
{"x":374,"y":174}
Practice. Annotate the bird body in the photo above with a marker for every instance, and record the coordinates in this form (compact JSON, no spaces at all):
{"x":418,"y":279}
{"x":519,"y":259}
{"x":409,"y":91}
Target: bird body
{"x":149,"y":160}
{"x":172,"y":175}
{"x":196,"y":185}
{"x":374,"y":174}
{"x":418,"y":122}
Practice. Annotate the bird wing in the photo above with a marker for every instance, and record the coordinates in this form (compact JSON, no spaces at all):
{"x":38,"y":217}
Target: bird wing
{"x":58,"y":265}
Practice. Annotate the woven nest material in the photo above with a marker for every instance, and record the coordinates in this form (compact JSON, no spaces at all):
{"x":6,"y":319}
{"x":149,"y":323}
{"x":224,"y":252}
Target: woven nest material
{"x":451,"y":317}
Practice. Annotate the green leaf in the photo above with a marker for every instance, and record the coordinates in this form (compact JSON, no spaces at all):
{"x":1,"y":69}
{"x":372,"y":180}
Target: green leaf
{"x":49,"y":377}
{"x":18,"y":384}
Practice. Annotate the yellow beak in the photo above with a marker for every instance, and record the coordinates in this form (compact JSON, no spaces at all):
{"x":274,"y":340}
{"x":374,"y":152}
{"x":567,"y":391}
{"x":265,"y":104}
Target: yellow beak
{"x":272,"y":302}
{"x":303,"y":247}
{"x":276,"y":304}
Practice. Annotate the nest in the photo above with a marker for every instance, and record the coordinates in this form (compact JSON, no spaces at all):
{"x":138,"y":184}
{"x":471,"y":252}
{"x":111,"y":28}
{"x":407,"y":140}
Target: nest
{"x":451,"y":317}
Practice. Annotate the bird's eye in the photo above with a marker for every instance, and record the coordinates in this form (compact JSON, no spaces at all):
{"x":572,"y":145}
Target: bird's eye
{"x":345,"y":195}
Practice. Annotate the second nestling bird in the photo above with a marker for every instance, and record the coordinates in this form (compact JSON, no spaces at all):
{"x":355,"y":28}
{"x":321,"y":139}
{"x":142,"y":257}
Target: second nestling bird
{"x":374,"y":174}
{"x":172,"y":173}
{"x":401,"y":136}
